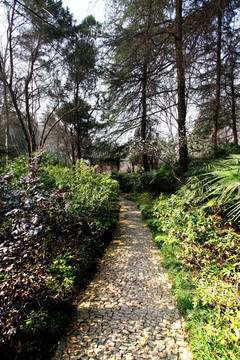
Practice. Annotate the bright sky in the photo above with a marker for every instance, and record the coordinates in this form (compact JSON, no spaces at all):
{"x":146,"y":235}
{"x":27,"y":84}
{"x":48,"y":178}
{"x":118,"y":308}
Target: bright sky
{"x":79,"y":8}
{"x":82,"y":8}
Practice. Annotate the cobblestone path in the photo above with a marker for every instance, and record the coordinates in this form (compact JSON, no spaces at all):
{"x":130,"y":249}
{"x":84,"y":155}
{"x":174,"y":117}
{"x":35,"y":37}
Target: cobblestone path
{"x":128,"y":311}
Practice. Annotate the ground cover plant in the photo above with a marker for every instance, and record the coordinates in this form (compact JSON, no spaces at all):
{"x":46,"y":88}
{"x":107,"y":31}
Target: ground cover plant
{"x":162,"y":180}
{"x":197,"y":231}
{"x":54,"y":225}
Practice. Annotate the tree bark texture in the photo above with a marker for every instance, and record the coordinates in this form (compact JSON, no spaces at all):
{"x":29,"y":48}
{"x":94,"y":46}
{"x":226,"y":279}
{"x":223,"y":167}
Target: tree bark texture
{"x":233,"y":106}
{"x":183,"y":150}
{"x":218,"y":82}
{"x":72,"y":147}
{"x":77,"y":126}
{"x":144,"y":119}
{"x":7,"y":123}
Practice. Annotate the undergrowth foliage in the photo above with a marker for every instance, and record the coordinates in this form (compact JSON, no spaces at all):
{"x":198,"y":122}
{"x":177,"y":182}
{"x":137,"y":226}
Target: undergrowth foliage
{"x":209,"y":247}
{"x":200,"y":240}
{"x":52,"y":224}
{"x":218,"y":186}
{"x":163,"y":180}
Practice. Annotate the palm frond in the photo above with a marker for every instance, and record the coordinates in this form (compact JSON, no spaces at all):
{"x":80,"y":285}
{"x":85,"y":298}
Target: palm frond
{"x":218,"y":186}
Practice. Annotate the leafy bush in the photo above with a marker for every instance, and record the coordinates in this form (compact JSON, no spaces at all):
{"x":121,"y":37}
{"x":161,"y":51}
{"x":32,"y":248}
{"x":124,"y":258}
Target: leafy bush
{"x":217,"y":187}
{"x":51,"y":235}
{"x":227,"y":149}
{"x":223,"y":151}
{"x":128,"y":181}
{"x":209,"y":247}
{"x":50,"y":158}
{"x":163,"y":180}
{"x":17,"y":168}
{"x":201,"y":247}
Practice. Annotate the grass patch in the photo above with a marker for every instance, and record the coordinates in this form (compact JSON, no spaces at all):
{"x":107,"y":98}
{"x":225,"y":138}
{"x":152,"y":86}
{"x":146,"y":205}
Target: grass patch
{"x":182,"y":286}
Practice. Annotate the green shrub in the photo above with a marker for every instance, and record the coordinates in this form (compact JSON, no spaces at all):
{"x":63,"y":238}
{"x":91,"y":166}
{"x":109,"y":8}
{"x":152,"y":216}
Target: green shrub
{"x":201,"y":248}
{"x":56,"y":224}
{"x":163,"y":180}
{"x":208,"y":247}
{"x":17,"y":169}
{"x":226,"y":150}
{"x":218,"y":188}
{"x":128,"y":181}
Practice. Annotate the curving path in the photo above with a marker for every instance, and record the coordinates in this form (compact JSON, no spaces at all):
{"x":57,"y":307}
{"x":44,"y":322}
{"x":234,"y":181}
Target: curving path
{"x":128,"y":311}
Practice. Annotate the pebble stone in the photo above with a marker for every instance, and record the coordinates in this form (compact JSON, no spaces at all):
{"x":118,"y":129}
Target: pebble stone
{"x":128,"y":311}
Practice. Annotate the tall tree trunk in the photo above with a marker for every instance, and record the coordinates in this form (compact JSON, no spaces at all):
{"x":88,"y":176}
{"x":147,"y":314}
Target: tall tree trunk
{"x":21,"y":120}
{"x":183,"y":150}
{"x":29,"y":123}
{"x":218,"y":83}
{"x":9,"y":83}
{"x":233,"y":105}
{"x":72,"y":147}
{"x":78,"y":129}
{"x":144,"y":119}
{"x":7,"y":123}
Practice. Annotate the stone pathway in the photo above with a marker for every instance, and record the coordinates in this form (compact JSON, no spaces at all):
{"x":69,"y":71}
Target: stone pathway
{"x":128,"y":311}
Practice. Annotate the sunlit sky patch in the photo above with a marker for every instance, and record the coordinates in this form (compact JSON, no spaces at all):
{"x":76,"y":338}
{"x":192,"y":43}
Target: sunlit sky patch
{"x":82,"y":8}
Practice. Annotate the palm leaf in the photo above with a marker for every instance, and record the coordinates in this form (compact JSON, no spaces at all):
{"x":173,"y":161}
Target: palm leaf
{"x":218,"y":186}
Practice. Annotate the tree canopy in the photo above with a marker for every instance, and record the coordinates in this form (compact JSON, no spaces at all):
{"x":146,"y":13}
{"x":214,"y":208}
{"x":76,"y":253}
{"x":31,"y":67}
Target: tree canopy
{"x":156,"y":70}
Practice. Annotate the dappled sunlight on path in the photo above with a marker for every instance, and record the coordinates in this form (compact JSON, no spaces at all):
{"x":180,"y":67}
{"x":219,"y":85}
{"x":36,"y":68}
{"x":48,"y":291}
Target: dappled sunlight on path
{"x":128,"y":311}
